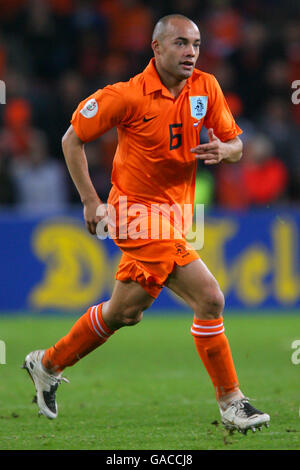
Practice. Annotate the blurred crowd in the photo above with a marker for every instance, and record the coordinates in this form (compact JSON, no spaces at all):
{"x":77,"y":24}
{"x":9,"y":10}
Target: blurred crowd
{"x":54,"y":53}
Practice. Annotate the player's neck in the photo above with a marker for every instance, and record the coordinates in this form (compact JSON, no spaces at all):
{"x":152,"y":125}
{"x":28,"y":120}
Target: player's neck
{"x":175,"y":90}
{"x":170,"y":82}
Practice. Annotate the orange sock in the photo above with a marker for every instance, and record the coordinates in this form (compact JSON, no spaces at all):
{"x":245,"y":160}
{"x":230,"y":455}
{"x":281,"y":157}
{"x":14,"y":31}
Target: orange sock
{"x":87,"y":334}
{"x":214,"y":351}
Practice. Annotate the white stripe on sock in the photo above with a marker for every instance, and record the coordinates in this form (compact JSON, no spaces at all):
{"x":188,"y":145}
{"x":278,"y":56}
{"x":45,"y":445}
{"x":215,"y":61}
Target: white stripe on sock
{"x":91,"y":316}
{"x":98,"y":323}
{"x":211,"y":333}
{"x":207,"y":327}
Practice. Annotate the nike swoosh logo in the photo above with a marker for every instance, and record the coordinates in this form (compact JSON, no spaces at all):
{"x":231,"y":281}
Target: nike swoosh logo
{"x":149,"y":119}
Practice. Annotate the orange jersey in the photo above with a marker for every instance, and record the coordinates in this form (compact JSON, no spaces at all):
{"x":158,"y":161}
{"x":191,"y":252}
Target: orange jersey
{"x":153,"y":162}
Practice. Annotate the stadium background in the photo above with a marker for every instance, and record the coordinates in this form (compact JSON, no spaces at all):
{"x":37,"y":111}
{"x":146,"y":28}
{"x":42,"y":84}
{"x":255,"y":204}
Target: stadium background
{"x":54,"y":53}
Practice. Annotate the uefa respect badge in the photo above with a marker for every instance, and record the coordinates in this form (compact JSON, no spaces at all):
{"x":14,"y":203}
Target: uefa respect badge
{"x":90,"y":108}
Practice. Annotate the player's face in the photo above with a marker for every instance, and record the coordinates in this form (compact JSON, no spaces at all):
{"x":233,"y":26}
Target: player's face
{"x":179,"y":49}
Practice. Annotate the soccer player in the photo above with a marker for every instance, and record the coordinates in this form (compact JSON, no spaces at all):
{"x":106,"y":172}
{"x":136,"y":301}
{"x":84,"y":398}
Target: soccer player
{"x":158,"y":115}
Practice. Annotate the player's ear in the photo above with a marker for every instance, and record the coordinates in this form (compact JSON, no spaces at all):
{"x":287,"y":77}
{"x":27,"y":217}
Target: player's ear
{"x":155,"y":46}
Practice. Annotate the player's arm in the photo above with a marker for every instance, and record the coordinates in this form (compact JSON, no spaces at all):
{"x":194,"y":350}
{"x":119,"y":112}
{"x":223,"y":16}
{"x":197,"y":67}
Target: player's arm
{"x":74,"y":153}
{"x":93,"y":117}
{"x":224,"y":143}
{"x":216,"y":151}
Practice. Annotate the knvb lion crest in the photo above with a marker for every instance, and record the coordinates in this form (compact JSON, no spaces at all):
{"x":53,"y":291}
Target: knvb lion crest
{"x":198,"y":106}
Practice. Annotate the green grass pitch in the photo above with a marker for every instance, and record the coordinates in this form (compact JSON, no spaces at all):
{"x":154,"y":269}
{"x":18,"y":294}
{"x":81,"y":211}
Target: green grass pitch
{"x":147,"y":389}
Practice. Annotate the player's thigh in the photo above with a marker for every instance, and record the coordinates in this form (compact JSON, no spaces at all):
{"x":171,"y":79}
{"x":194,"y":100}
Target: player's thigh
{"x":196,"y":285}
{"x":129,"y":298}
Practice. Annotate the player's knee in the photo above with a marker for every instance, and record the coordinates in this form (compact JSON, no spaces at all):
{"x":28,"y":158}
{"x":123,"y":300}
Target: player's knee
{"x":125,"y":313}
{"x":131,"y":318}
{"x":212,"y":303}
{"x":133,"y":314}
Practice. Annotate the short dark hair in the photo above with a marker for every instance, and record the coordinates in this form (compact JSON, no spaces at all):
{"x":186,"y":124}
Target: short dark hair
{"x":160,"y":26}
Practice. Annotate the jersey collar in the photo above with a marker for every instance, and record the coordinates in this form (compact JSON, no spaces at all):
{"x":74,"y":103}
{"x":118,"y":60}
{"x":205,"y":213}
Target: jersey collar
{"x":153,"y":82}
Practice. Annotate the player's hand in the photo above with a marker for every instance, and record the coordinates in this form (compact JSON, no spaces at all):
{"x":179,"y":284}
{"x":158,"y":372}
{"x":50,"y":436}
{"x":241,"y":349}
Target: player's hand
{"x":213,"y":152}
{"x":94,"y":211}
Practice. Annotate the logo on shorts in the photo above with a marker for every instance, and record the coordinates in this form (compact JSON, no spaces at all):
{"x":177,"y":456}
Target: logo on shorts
{"x":90,"y":108}
{"x":198,"y":106}
{"x":181,"y":250}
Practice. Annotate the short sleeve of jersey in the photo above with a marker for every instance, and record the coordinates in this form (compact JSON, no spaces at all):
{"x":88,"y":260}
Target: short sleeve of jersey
{"x":104,"y":109}
{"x":218,"y":116}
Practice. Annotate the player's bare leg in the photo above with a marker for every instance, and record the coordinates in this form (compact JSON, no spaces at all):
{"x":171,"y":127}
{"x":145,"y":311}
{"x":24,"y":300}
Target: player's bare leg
{"x":195,"y":284}
{"x":126,"y":305}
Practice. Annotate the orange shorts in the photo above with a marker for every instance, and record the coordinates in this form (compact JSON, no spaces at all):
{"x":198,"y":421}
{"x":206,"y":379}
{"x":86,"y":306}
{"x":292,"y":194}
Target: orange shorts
{"x":149,"y":262}
{"x":148,"y":258}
